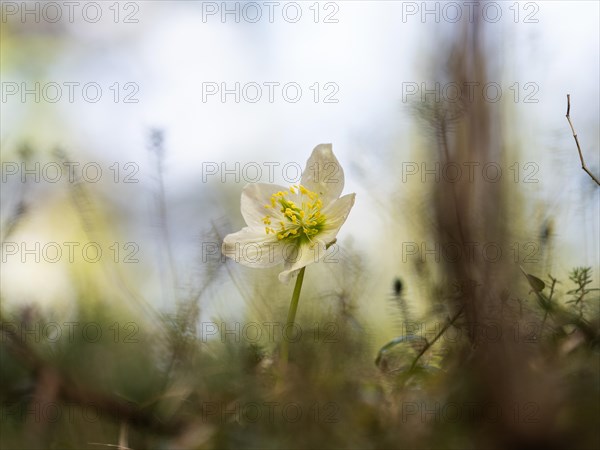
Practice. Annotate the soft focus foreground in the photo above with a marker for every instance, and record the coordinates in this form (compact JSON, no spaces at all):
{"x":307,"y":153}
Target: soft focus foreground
{"x":482,"y":330}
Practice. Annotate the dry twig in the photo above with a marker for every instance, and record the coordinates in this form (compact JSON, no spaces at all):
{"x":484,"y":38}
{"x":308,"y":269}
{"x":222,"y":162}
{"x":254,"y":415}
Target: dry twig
{"x":583,"y":166}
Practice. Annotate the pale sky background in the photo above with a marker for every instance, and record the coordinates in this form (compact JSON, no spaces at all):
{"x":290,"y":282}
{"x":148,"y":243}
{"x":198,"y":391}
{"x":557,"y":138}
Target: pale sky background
{"x":368,"y":54}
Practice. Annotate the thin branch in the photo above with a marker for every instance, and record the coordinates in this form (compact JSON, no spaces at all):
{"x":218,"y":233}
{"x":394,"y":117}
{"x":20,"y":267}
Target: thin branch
{"x":583,"y":166}
{"x":449,"y":323}
{"x":157,"y":148}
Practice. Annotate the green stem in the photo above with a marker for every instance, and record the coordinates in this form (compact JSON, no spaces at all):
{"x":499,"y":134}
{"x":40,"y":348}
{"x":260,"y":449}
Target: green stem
{"x":291,"y":315}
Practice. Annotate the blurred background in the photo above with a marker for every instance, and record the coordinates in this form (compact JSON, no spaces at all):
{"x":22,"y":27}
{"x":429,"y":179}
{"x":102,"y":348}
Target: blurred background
{"x":130,"y":128}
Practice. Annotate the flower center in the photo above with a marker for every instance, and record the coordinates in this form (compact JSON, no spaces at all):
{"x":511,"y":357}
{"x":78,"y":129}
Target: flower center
{"x":299,"y":221}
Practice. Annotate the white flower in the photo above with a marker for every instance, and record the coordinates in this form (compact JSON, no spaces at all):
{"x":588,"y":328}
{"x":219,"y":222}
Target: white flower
{"x":292,"y":226}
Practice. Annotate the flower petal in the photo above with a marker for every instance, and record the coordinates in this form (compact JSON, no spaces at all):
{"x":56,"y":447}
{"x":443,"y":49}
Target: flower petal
{"x":336,"y":214}
{"x":323,"y":174}
{"x":252,"y":247}
{"x":302,"y":256}
{"x":254,"y":198}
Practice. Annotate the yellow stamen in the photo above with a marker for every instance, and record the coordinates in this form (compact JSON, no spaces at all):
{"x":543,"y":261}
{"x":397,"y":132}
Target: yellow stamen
{"x":298,"y":222}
